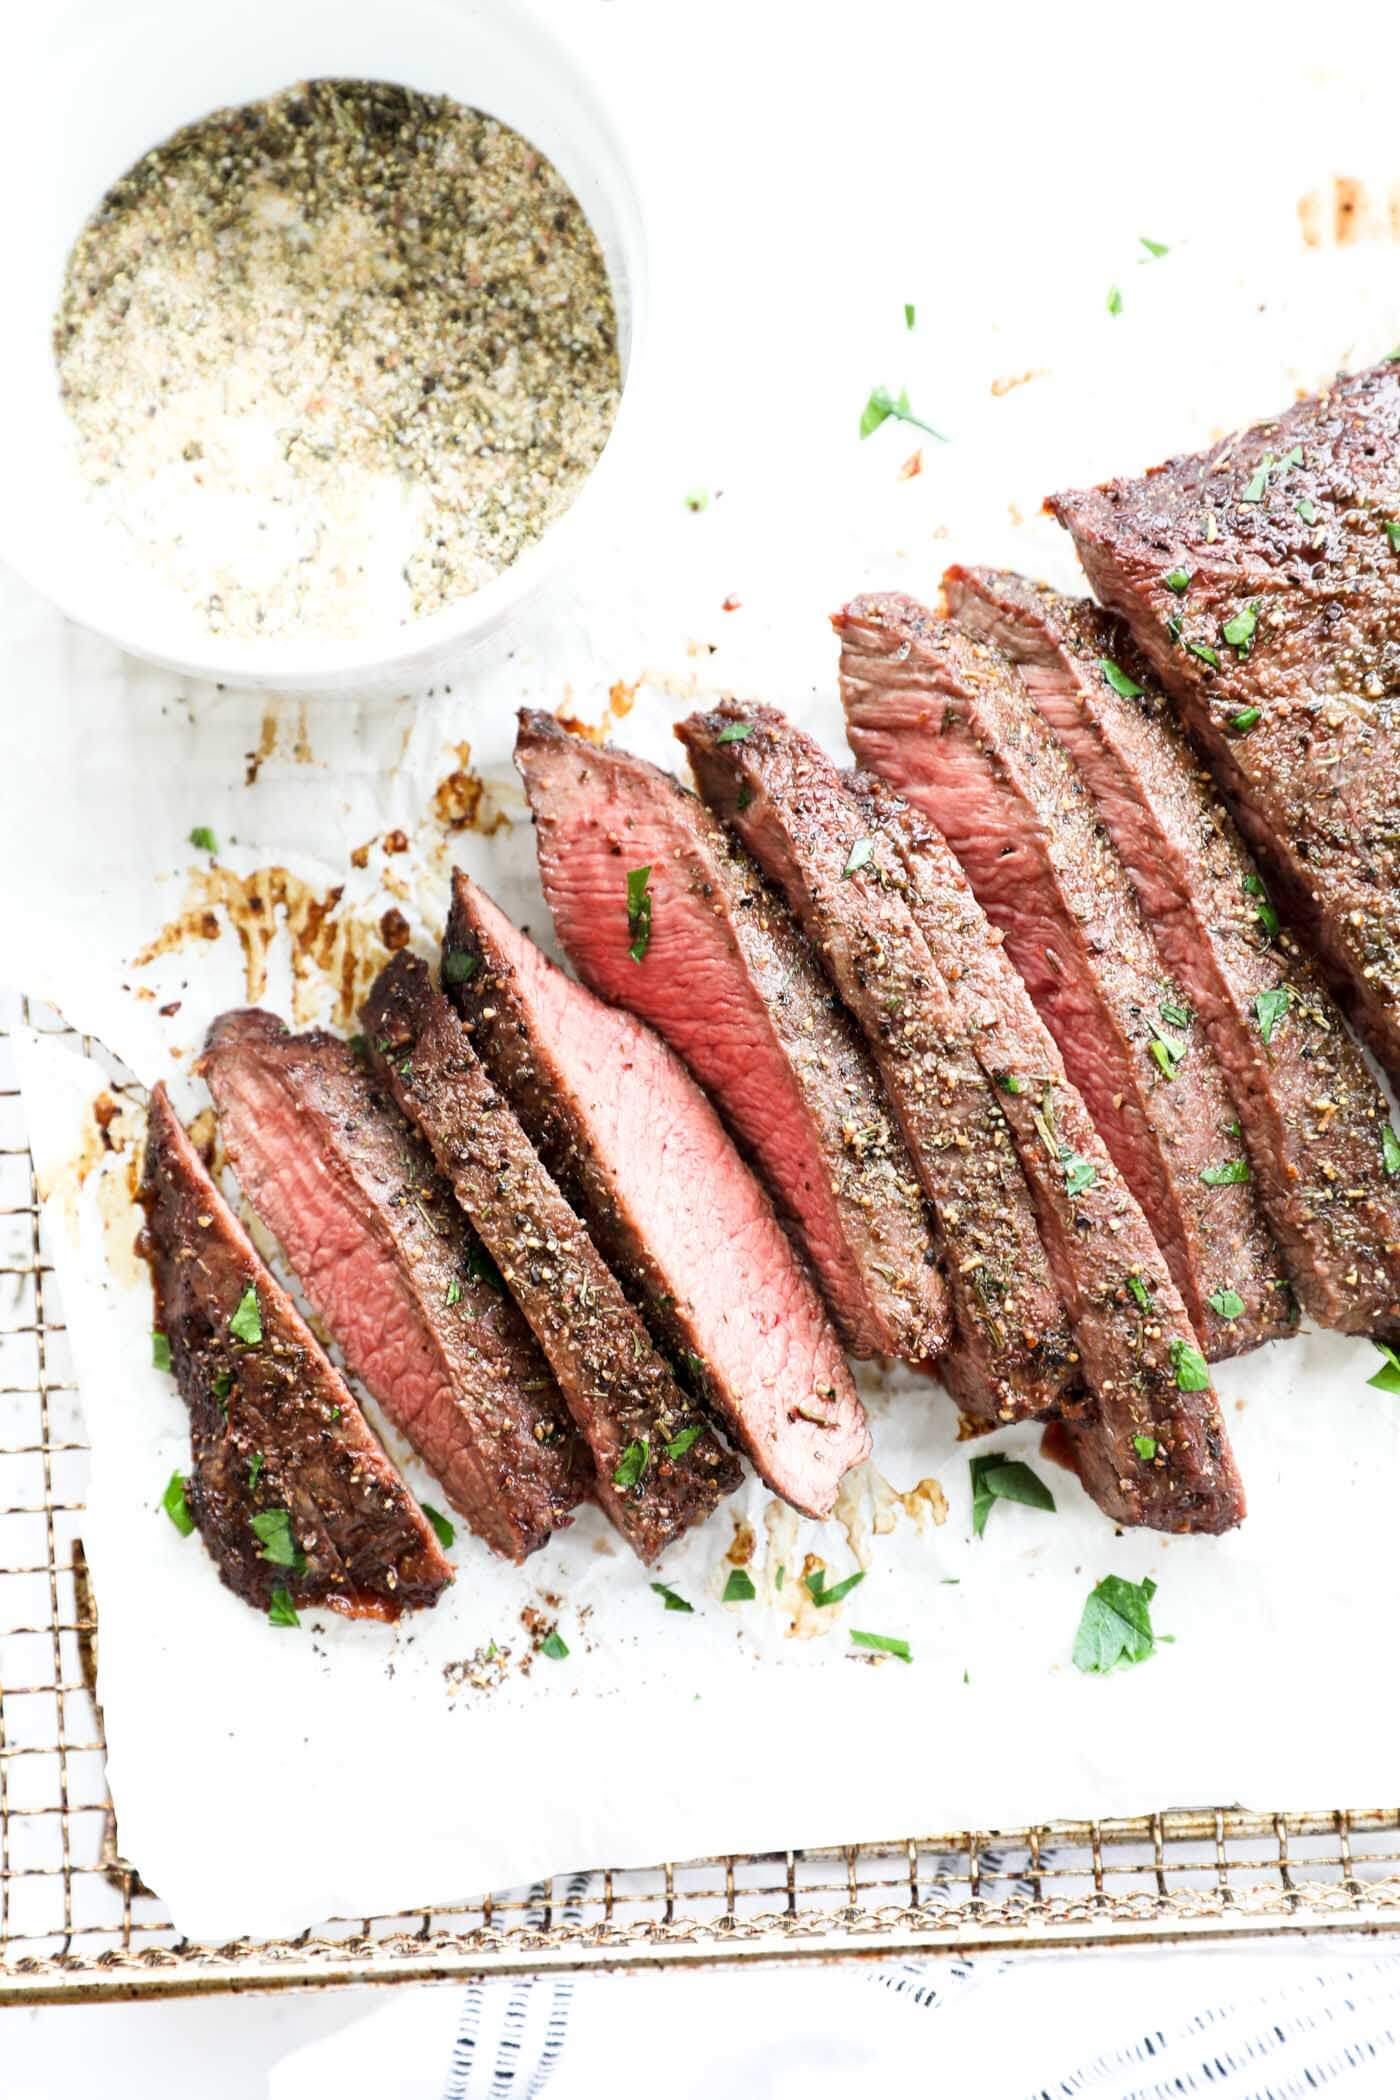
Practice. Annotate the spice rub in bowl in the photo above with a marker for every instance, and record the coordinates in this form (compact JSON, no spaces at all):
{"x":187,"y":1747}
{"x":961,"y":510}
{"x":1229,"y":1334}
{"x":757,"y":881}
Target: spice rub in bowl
{"x":335,"y":359}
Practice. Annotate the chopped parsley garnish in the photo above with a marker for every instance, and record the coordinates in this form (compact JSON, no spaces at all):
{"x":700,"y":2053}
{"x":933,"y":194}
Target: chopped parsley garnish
{"x":820,"y":1594}
{"x":274,"y":1528}
{"x":246,"y":1323}
{"x":1178,"y":580}
{"x":633,"y":1463}
{"x":481,"y":1269}
{"x":1146,"y":1448}
{"x":734,"y":732}
{"x":1139,"y":1291}
{"x":1387,"y":1379}
{"x":160,"y":1350}
{"x":223,"y":1385}
{"x":1167,"y":1050}
{"x":744,"y":796}
{"x":1229,"y":1170}
{"x":255,"y":1466}
{"x":1154,"y":248}
{"x":1229,"y":1304}
{"x":1270,"y":1008}
{"x":882,"y":1643}
{"x":1127,"y":688}
{"x":638,"y":911}
{"x":1114,"y":301}
{"x":1239,"y":633}
{"x":697,"y":499}
{"x":553,"y":1646}
{"x":1192,"y":1376}
{"x":862,"y":851}
{"x":357,"y":1046}
{"x":281,"y":1611}
{"x":1293,"y":457}
{"x":1080,"y":1174}
{"x":1205,"y":653}
{"x":1009,"y":1083}
{"x":176,"y":1507}
{"x":1390,"y":1149}
{"x":1244,"y":721}
{"x":1392,"y":533}
{"x":459,"y":966}
{"x":1264,"y":911}
{"x":1255,"y":487}
{"x":1173,"y":626}
{"x":683,"y":1439}
{"x":1116,"y":1625}
{"x":739,"y":1589}
{"x":999,"y":1479}
{"x":203,"y":838}
{"x":1306,"y":509}
{"x":882,"y":404}
{"x":671,"y":1598}
{"x":445,"y":1531}
{"x":1179,"y":1016}
{"x":454,"y":1291}
{"x":781,"y":1576}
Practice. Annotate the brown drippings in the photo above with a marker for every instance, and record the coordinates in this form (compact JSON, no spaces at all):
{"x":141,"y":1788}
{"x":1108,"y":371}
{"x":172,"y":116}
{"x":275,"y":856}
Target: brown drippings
{"x":394,"y":930}
{"x":912,"y":466}
{"x":1056,"y":1446}
{"x":868,"y":1506}
{"x":622,"y":697}
{"x":462,"y":802}
{"x":744,"y":1544}
{"x":1015,"y":379}
{"x":108,"y":1149}
{"x":323,"y":946}
{"x":1344,"y":211}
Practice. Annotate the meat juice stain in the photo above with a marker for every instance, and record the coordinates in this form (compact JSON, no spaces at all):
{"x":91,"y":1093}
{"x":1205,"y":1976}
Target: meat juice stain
{"x":462,"y":801}
{"x":108,"y":1154}
{"x":322,"y":946}
{"x":867,"y":1506}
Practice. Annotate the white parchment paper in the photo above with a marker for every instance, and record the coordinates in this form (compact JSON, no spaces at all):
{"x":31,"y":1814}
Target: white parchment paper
{"x":800,"y":195}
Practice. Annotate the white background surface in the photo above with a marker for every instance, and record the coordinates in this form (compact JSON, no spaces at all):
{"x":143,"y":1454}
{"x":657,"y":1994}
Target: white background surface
{"x":812,"y":174}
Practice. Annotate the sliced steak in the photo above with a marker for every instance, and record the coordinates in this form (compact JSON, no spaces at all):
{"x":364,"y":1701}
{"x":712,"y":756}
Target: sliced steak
{"x":659,"y":1468}
{"x":945,"y":719}
{"x":1261,"y":580}
{"x":1012,"y":1353}
{"x":275,"y":1431}
{"x":1314,"y":1120}
{"x":396,"y":1275}
{"x":643,"y":1158}
{"x":1154,"y":1451}
{"x":718,"y":967}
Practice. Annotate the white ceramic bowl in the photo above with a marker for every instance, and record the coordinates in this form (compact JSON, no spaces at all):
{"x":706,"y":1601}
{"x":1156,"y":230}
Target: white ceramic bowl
{"x":98,"y":85}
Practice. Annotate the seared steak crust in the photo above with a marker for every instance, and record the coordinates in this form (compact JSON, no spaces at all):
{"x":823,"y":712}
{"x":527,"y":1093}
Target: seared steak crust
{"x":945,"y":719}
{"x":726,"y":977}
{"x":1011,"y":1354}
{"x":1312,"y":1115}
{"x":1147,"y":1452}
{"x":620,"y":1392}
{"x":396,"y":1275}
{"x":273,"y":1426}
{"x":1283,"y":539}
{"x":640,"y":1154}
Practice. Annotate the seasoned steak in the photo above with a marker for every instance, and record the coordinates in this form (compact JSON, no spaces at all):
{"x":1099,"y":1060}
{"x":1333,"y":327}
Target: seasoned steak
{"x":397,"y":1276}
{"x":711,"y":958}
{"x":1314,"y":1120}
{"x":1261,"y":580}
{"x":278,"y":1440}
{"x":1011,"y":1354}
{"x":643,"y":1158}
{"x":946,"y":720}
{"x":659,"y":1468}
{"x":1152,"y":1450}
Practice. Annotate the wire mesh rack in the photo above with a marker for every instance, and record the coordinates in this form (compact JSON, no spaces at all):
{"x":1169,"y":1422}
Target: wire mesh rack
{"x":77,"y":1921}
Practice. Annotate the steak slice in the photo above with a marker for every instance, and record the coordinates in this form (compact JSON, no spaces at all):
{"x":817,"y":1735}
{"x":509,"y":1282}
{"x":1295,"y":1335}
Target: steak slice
{"x":1152,"y":1453}
{"x":1278,"y":639}
{"x":275,"y":1431}
{"x":645,"y":1161}
{"x":726,"y":977}
{"x":396,"y":1275}
{"x":659,"y":1469}
{"x":1314,"y":1120}
{"x":945,"y":719}
{"x":1012,"y":1354}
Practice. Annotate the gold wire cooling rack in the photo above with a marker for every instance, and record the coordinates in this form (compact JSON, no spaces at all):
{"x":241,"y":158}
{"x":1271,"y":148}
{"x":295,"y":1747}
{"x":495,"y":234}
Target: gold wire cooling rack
{"x":77,"y":1922}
